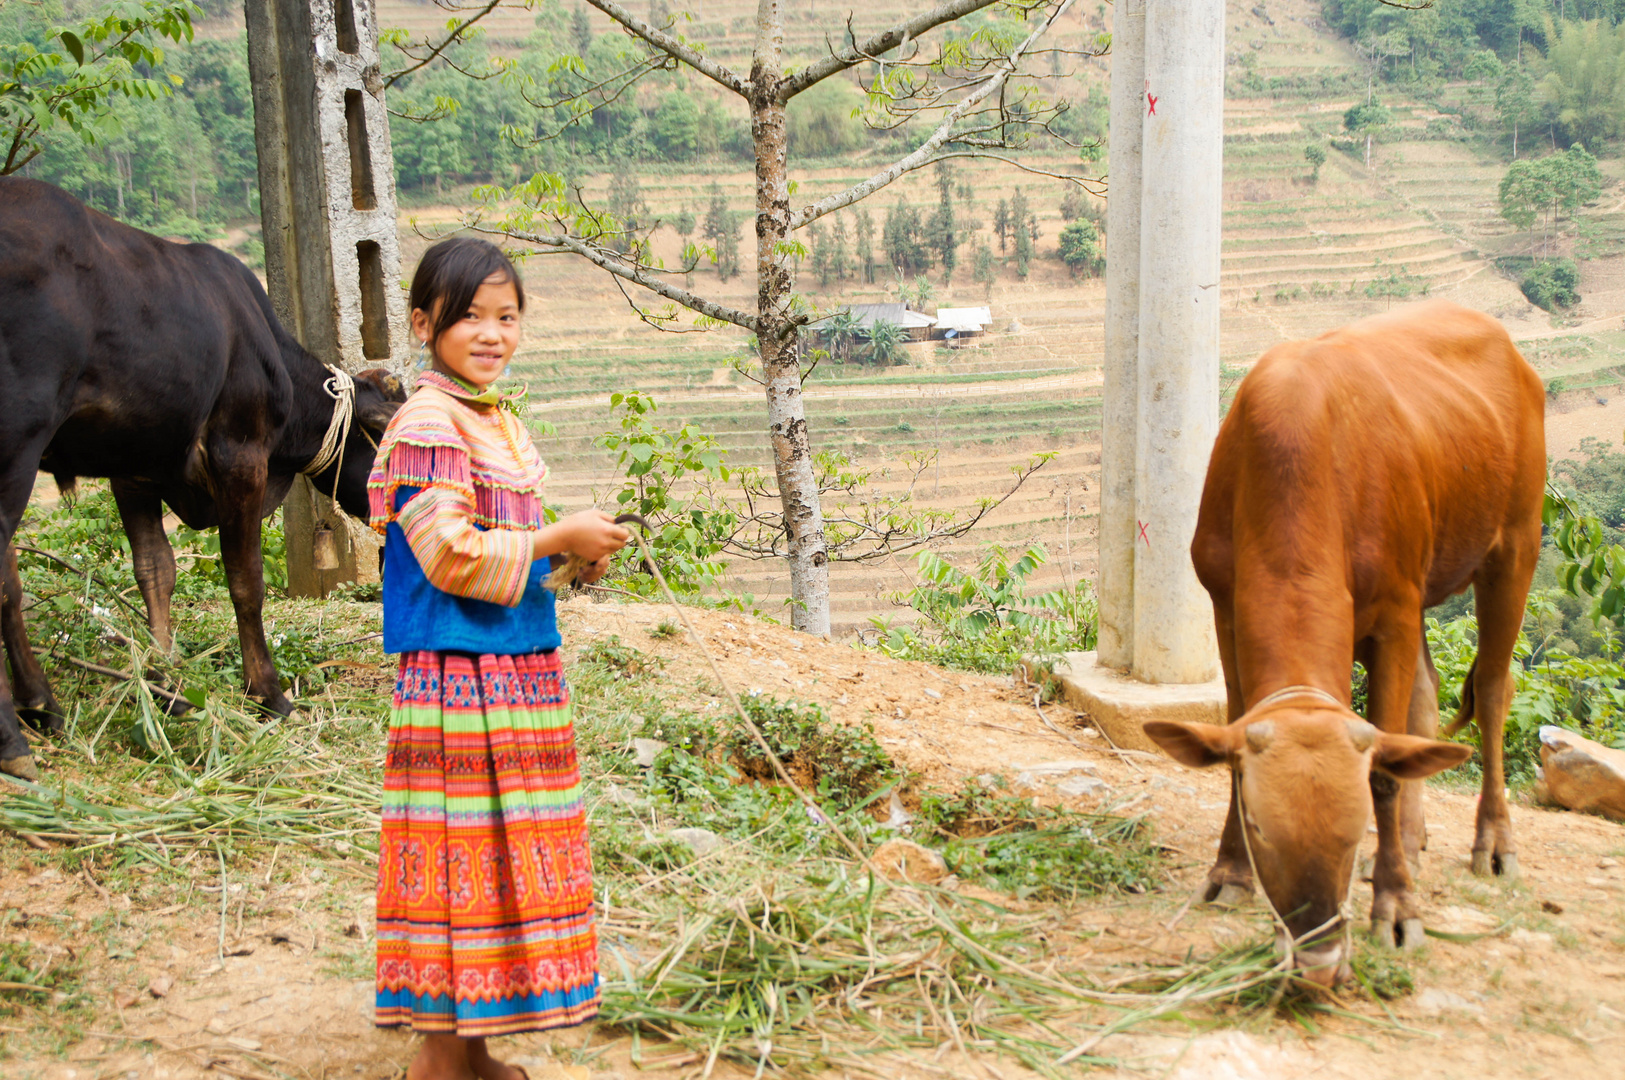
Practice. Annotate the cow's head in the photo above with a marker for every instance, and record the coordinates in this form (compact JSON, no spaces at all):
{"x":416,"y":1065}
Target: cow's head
{"x":377,"y":395}
{"x":1304,"y":778}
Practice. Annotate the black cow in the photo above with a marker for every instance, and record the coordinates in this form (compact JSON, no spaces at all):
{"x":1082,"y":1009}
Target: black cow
{"x":161,"y":366}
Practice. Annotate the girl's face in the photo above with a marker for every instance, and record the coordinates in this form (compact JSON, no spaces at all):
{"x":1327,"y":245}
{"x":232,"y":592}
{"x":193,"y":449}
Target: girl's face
{"x":477,"y":347}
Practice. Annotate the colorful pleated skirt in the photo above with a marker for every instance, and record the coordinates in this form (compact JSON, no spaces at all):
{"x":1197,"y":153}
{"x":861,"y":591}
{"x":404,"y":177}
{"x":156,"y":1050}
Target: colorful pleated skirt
{"x":485,"y":910}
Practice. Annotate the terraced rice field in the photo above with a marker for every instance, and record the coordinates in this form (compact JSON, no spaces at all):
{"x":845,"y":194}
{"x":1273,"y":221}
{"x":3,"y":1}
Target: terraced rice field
{"x":1300,"y":257}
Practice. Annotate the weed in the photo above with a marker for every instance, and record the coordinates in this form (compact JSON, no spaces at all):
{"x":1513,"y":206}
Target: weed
{"x":1380,"y":972}
{"x":623,"y":661}
{"x":667,"y":629}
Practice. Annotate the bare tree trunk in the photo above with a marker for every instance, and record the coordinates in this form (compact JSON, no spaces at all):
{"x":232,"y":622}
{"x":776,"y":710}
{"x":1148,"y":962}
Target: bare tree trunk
{"x":775,"y":280}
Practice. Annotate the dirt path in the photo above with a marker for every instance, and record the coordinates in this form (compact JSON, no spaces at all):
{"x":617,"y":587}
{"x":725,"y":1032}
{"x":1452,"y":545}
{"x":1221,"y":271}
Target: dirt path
{"x":290,"y":992}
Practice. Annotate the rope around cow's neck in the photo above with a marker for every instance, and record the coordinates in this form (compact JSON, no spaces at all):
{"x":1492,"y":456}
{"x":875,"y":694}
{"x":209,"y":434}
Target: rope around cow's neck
{"x":341,"y":388}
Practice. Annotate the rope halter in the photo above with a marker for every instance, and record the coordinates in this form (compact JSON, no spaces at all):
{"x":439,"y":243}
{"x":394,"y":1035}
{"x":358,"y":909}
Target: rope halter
{"x":341,"y":388}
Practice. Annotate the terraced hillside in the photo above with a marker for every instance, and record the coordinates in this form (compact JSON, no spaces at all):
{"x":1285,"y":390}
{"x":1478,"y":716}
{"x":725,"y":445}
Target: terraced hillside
{"x":1300,"y":256}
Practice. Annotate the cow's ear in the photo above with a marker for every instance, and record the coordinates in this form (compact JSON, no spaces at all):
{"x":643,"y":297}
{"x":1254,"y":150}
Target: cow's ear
{"x":1410,"y":757}
{"x":1197,"y":745}
{"x":375,"y":418}
{"x":386,"y":381}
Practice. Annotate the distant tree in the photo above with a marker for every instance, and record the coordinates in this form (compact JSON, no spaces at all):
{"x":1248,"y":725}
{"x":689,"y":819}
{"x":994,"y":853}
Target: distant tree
{"x":903,"y":237}
{"x":1315,"y":155}
{"x":580,"y":31}
{"x":676,"y":126}
{"x":1072,"y":203}
{"x":626,"y":205}
{"x":840,"y":260}
{"x":1022,"y":233}
{"x":1552,"y":283}
{"x":1515,"y":106}
{"x":1080,"y":248}
{"x":722,"y":231}
{"x":818,"y":243}
{"x":1001,"y":223}
{"x":1584,"y":88}
{"x":684,"y":222}
{"x":1367,"y":120}
{"x":984,"y":272}
{"x":941,"y":234}
{"x":865,"y":244}
{"x":842,"y":333}
{"x":1523,"y":193}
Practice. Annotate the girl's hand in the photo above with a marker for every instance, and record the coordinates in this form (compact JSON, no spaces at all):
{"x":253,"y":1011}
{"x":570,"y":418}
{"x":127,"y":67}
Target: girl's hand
{"x":594,"y":536}
{"x":594,"y":571}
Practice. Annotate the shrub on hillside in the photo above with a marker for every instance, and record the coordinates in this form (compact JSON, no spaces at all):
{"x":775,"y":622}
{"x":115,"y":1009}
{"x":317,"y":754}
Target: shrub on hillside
{"x":1080,"y":248}
{"x":1552,"y":284}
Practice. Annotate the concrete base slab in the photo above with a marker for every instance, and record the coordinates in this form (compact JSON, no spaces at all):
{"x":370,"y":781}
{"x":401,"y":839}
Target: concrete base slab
{"x":1120,"y":705}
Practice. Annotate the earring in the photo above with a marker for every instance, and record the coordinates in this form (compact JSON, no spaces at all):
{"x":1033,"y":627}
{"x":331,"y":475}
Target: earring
{"x":423,"y":356}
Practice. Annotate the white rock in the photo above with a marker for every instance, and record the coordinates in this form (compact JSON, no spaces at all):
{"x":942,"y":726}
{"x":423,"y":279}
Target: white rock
{"x":1530,"y":939}
{"x":647,"y":750}
{"x":700,"y":841}
{"x":1059,"y":768}
{"x":935,"y":695}
{"x":620,"y":795}
{"x":1581,"y":774}
{"x":1083,"y":785}
{"x":1436,"y":1002}
{"x":1026,"y":781}
{"x":898,"y":816}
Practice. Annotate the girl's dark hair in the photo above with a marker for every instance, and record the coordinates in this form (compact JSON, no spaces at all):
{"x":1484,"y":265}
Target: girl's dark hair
{"x":451,"y":272}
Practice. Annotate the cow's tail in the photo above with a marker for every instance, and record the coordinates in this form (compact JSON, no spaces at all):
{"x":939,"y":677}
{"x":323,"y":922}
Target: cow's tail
{"x":1467,"y":712}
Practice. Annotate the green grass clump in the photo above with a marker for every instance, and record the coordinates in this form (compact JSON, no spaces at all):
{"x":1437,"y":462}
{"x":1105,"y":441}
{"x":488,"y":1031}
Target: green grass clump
{"x":1043,"y":852}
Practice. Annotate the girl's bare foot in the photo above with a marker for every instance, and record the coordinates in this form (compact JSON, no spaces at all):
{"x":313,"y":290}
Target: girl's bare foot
{"x":443,"y":1057}
{"x":487,"y":1067}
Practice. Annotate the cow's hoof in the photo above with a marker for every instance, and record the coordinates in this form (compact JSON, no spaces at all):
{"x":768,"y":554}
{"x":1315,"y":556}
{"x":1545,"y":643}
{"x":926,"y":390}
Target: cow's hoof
{"x":1411,"y":934}
{"x":1489,"y":864}
{"x":1228,"y":895}
{"x":46,"y":717}
{"x":1382,"y":934}
{"x":22,"y":767}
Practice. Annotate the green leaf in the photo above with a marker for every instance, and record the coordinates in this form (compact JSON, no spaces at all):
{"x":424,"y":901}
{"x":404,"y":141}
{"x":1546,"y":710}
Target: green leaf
{"x":71,"y":42}
{"x":642,"y":451}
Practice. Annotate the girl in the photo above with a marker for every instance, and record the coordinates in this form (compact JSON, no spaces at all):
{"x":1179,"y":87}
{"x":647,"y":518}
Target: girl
{"x":485,"y":920}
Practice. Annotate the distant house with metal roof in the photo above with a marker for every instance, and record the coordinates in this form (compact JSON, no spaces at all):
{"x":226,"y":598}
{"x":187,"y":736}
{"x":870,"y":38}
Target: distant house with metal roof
{"x":916,"y":324}
{"x":961,"y":322}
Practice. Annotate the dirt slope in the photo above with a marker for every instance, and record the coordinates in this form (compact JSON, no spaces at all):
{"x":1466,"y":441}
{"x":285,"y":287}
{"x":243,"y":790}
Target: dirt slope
{"x":1545,"y":997}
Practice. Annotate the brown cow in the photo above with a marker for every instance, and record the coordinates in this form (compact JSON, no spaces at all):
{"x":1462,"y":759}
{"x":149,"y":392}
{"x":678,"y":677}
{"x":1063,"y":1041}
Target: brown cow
{"x":1359,"y":478}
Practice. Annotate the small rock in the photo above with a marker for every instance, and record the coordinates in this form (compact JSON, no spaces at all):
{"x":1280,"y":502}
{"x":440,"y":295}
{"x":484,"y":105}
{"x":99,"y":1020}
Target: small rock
{"x":1455,"y":919}
{"x":1581,"y":774}
{"x":1436,"y":1002}
{"x":1162,"y":782}
{"x":700,"y":841}
{"x":1026,"y":781}
{"x":986,"y":779}
{"x":1530,"y":939}
{"x":45,"y":877}
{"x":243,"y":1043}
{"x":899,"y":817}
{"x":934,"y":695}
{"x":1551,"y":907}
{"x":160,"y":985}
{"x":646,"y":750}
{"x":1083,"y":785}
{"x":1060,"y":768}
{"x":620,"y":795}
{"x":904,"y":860}
{"x":1607,"y":864}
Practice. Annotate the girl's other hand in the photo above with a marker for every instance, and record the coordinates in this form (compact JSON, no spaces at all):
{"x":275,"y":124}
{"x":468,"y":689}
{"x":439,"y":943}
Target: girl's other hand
{"x":595,"y":570}
{"x":595,"y":536}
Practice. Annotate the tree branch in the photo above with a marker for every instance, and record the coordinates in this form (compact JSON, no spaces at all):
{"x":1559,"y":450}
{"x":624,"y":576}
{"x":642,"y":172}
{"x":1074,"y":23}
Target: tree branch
{"x":1094,"y":185}
{"x":636,"y":274}
{"x":927,"y":151}
{"x":675,"y":47}
{"x":452,"y":38}
{"x":881,"y":43}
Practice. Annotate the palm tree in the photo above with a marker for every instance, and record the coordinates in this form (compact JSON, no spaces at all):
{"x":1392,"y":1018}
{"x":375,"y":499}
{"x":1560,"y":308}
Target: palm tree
{"x":886,"y":343}
{"x":842,"y":332}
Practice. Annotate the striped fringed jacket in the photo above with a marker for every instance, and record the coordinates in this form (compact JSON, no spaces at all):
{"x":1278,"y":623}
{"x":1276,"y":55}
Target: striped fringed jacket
{"x":455,"y":490}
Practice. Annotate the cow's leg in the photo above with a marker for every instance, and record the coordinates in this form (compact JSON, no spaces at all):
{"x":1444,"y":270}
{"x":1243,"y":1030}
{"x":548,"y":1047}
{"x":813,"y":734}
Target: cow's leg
{"x":1395,"y":914}
{"x":31,"y":691}
{"x":16,"y":483}
{"x":241,"y":489}
{"x":1230,"y":881}
{"x":154,"y":560}
{"x":1499,"y":596}
{"x":1422,"y":719}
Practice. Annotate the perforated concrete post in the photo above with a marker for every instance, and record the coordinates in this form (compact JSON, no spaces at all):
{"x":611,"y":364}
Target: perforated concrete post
{"x":1178,"y":385}
{"x":327,"y":209}
{"x":1120,"y":404}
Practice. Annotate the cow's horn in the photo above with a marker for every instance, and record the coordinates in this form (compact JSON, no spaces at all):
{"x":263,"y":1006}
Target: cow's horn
{"x":1363,"y":735}
{"x":1259,"y":735}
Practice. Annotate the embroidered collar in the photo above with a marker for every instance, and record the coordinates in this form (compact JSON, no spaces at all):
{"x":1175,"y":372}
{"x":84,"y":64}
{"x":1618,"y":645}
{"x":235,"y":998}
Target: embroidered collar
{"x":462,"y":391}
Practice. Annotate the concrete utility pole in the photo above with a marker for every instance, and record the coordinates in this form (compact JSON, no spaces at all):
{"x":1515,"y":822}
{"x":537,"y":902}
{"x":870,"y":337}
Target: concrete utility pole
{"x":327,"y":212}
{"x":1157,"y":657}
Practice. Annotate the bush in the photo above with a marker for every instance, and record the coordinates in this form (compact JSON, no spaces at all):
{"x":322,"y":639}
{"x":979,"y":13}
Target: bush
{"x":1080,"y":248}
{"x":1552,"y":284}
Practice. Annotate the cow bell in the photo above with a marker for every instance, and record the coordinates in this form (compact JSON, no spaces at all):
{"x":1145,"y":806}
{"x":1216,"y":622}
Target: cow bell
{"x":327,"y":551}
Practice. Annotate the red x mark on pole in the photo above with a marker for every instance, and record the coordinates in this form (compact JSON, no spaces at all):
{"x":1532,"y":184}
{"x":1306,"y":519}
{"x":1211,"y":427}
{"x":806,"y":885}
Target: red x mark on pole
{"x":1152,"y":98}
{"x":1144,"y":525}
